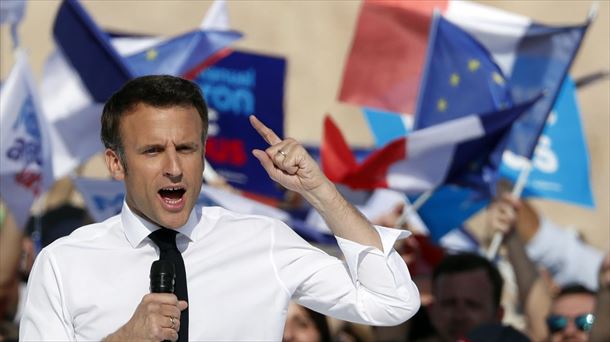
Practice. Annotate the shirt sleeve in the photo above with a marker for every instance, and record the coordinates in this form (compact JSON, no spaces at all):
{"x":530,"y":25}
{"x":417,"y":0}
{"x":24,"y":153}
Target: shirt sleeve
{"x":569,"y":259}
{"x":45,"y":315}
{"x":370,"y":286}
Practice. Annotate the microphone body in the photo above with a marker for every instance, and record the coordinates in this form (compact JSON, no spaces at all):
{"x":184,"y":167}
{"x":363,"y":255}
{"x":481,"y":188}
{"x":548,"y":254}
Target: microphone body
{"x":162,"y":277}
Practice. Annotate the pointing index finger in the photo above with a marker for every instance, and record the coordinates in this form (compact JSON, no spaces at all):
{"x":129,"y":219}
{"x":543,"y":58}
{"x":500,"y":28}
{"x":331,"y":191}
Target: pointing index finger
{"x":267,"y":133}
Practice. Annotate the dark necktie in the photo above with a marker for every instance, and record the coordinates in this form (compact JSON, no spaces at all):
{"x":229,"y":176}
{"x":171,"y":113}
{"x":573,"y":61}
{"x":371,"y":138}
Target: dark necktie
{"x":166,"y":240}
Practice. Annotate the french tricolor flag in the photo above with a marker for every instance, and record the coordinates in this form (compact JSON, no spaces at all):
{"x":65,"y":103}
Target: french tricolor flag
{"x":421,"y":161}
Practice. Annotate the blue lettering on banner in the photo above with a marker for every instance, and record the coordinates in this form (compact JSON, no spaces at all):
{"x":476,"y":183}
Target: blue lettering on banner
{"x":229,"y":90}
{"x":102,"y":203}
{"x":27,"y":150}
{"x":235,"y":87}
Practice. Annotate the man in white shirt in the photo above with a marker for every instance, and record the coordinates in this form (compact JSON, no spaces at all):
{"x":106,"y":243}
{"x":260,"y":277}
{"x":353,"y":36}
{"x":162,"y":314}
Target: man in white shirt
{"x":241,"y":270}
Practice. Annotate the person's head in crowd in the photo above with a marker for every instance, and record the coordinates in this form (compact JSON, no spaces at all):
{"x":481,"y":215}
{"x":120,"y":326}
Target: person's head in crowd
{"x":467,"y":289}
{"x":154,"y":130}
{"x":305,"y":325}
{"x":571,"y":315}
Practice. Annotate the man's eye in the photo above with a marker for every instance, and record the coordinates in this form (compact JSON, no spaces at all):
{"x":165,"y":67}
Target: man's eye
{"x":152,"y":151}
{"x":186,"y":149}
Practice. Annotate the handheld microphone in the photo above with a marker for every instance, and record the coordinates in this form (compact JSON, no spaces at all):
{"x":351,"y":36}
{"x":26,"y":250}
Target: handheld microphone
{"x":162,"y":277}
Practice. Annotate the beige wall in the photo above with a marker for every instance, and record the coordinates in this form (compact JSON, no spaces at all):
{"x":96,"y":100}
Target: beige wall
{"x":315,"y":36}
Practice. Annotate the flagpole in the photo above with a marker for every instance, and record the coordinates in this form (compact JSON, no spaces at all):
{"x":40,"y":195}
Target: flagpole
{"x":496,"y":241}
{"x":413,"y":208}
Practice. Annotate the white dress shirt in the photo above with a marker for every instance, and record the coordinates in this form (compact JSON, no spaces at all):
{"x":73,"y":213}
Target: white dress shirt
{"x":242,"y":270}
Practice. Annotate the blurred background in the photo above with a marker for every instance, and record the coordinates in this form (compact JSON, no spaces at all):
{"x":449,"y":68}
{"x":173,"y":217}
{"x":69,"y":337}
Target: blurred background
{"x":300,"y":50}
{"x":315,"y":37}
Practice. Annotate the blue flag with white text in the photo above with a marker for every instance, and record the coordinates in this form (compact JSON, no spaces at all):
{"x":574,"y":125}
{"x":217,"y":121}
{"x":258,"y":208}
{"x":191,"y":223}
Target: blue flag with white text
{"x":238,"y":85}
{"x":561,"y":158}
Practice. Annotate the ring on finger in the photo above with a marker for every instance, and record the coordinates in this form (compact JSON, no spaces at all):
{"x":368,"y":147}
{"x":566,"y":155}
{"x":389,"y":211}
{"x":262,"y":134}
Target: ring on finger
{"x":171,"y":319}
{"x":282,"y":153}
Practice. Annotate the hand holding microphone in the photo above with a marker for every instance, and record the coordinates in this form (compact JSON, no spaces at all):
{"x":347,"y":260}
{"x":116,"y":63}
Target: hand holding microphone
{"x":157,"y":317}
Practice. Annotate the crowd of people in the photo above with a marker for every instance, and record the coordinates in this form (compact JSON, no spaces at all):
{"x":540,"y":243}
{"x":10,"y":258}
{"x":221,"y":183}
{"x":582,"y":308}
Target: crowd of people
{"x":563,"y":283}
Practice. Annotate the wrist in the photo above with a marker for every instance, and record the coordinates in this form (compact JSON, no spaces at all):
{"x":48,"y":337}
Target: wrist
{"x":323,"y":196}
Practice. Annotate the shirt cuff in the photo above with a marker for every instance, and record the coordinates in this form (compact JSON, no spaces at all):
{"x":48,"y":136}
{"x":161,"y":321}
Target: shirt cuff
{"x":355,"y":252}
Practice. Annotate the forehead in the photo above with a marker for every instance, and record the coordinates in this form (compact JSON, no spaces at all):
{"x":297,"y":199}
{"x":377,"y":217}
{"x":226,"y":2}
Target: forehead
{"x":473,"y":285}
{"x":147,"y":121}
{"x":573,"y":304}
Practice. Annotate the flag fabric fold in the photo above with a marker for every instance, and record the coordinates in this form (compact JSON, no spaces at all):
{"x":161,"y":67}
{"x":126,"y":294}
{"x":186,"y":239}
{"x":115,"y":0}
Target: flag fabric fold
{"x":424,"y":159}
{"x":179,"y":55}
{"x":89,"y":51}
{"x":543,"y":59}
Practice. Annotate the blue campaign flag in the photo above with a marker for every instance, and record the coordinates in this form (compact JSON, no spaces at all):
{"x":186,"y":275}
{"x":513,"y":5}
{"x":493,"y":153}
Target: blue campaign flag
{"x":179,"y":55}
{"x":543,"y":58}
{"x":239,"y":85}
{"x":460,"y":77}
{"x":561,"y":159}
{"x":456,"y":204}
{"x":89,"y":51}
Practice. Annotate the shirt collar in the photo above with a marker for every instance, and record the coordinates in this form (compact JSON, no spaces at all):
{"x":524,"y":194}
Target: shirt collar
{"x":138,"y":228}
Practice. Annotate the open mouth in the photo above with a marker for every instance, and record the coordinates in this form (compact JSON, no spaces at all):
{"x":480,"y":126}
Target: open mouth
{"x":172,"y":196}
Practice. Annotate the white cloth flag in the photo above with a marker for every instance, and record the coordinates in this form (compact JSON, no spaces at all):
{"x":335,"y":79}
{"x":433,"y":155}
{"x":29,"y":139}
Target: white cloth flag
{"x":26,"y":168}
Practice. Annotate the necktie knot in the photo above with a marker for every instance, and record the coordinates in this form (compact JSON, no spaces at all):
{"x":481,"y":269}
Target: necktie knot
{"x":164,"y":238}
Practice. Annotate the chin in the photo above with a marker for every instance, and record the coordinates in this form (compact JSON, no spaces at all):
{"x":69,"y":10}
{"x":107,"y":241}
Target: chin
{"x":174,"y":223}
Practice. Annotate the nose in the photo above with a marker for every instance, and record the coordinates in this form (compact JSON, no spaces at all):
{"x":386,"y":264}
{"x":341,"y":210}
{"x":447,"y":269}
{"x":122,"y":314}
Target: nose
{"x":570,"y":329}
{"x":172,"y":168}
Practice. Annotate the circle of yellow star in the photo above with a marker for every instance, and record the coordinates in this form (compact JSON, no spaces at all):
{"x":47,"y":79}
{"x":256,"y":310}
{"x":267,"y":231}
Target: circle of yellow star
{"x":441,"y":105}
{"x":473,"y":64}
{"x":454,"y":80}
{"x":151,"y":54}
{"x":497,"y":78}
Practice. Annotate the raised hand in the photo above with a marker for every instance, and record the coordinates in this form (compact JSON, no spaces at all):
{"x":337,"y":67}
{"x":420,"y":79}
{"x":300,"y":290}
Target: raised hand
{"x":287,"y":162}
{"x":502,"y":214}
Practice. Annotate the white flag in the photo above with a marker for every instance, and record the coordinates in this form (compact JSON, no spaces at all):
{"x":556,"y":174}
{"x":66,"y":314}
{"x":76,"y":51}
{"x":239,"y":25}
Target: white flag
{"x":26,"y":168}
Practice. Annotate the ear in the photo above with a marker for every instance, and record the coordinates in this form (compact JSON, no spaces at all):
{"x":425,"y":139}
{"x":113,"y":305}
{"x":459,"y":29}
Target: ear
{"x":113,"y":162}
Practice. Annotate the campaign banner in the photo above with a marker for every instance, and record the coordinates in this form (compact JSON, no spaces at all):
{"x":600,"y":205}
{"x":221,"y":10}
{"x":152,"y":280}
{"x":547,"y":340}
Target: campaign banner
{"x":241,"y":84}
{"x":561,"y":159}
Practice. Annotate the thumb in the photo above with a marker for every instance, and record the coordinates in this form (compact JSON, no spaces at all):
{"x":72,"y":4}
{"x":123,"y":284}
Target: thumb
{"x":182,"y":305}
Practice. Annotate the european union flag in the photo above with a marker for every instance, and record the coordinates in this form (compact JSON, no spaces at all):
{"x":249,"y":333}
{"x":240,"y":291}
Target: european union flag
{"x":179,"y":55}
{"x":460,"y":77}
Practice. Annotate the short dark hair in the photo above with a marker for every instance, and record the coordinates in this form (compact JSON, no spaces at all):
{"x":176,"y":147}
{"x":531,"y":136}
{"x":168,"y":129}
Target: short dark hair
{"x":159,"y":91}
{"x":574,"y":288}
{"x":465,"y":262}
